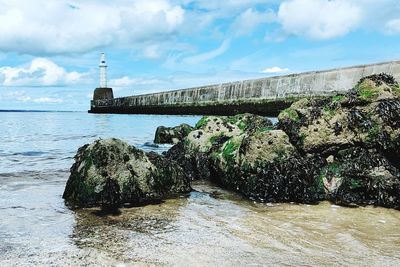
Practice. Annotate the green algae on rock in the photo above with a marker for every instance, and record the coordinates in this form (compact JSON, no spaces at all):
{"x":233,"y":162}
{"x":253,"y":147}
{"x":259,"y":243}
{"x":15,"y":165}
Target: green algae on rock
{"x":358,"y":134}
{"x":111,"y":173}
{"x":247,"y":154}
{"x":194,"y":154}
{"x":344,"y":148}
{"x":172,"y":135}
{"x":359,"y":176}
{"x":347,"y":120}
{"x":265,"y":166}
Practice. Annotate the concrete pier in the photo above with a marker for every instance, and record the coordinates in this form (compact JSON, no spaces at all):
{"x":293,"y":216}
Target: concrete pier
{"x":266,"y":96}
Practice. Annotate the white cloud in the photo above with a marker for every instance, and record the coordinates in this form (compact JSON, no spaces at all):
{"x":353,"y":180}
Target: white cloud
{"x":248,"y":20}
{"x":275,"y":70}
{"x":44,"y":27}
{"x":39,"y":72}
{"x":393,"y":26}
{"x":319,"y":19}
{"x":47,"y":100}
{"x":57,"y":27}
{"x":200,"y":58}
{"x":22,"y":96}
{"x":227,"y":5}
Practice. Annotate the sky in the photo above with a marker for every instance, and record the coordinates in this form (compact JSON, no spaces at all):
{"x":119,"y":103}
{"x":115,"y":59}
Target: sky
{"x":49,"y":49}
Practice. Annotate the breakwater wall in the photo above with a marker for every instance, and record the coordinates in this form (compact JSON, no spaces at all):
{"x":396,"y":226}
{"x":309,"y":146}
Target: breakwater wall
{"x":265,"y":96}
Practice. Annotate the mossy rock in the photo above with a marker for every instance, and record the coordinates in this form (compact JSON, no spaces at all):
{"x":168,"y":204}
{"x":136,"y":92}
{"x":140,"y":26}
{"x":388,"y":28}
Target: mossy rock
{"x":289,"y":114}
{"x":266,"y":147}
{"x":369,"y":115}
{"x":377,"y":87}
{"x":212,"y":129}
{"x":111,"y":173}
{"x":361,"y":176}
{"x":265,"y":166}
{"x":172,"y":135}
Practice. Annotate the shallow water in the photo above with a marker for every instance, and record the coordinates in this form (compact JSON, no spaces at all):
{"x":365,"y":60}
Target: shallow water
{"x":210,"y":226}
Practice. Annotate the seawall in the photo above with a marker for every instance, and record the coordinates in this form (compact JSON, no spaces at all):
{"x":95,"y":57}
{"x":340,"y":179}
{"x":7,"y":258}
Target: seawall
{"x":265,"y":96}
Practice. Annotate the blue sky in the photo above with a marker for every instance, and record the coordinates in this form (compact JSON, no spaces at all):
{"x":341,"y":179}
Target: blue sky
{"x":49,"y":49}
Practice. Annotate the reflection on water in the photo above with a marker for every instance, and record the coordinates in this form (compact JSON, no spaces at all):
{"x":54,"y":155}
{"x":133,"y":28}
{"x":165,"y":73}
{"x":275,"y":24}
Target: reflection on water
{"x":211,"y":226}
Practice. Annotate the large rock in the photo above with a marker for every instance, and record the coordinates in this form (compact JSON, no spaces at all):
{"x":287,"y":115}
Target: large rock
{"x":172,"y":135}
{"x":358,"y":134}
{"x":247,"y":154}
{"x":211,"y":132}
{"x":345,"y":149}
{"x":367,"y":116}
{"x":359,"y":176}
{"x":265,"y":166}
{"x":111,"y":173}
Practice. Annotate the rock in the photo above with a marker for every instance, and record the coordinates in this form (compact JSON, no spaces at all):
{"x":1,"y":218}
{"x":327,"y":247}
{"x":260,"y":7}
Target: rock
{"x":247,"y":154}
{"x":265,"y":166}
{"x":344,"y":148}
{"x":195,"y":165}
{"x":359,"y":136}
{"x":361,"y":176}
{"x":330,"y":159}
{"x":172,"y":135}
{"x":111,"y":173}
{"x":368,"y":116}
{"x":211,"y":132}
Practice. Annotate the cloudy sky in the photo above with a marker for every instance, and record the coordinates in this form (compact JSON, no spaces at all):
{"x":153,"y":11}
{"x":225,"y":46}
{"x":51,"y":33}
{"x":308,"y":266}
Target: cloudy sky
{"x":49,"y":49}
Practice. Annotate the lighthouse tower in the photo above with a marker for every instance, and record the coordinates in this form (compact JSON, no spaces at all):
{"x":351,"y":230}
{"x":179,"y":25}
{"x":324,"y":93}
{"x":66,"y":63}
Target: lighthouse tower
{"x":103,"y":92}
{"x":103,"y":71}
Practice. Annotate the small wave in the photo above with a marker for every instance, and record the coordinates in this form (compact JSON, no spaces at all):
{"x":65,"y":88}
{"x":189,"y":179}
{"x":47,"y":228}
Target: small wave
{"x":44,"y":174}
{"x":13,"y":207}
{"x":150,"y":144}
{"x":29,"y":153}
{"x":74,"y":137}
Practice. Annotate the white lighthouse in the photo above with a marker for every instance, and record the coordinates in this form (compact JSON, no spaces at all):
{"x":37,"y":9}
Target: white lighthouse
{"x":103,"y":92}
{"x":103,"y":71}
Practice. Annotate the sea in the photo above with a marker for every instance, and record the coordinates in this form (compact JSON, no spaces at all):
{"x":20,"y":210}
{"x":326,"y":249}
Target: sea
{"x":209,"y":227}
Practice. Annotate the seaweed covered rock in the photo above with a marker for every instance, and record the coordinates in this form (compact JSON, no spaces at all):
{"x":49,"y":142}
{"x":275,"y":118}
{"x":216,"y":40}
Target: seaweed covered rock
{"x":111,"y":173}
{"x":194,"y":164}
{"x":344,"y":148}
{"x":172,"y":135}
{"x":367,"y":116}
{"x":358,"y":134}
{"x":265,"y":166}
{"x":359,"y":176}
{"x":247,"y":154}
{"x":211,"y":132}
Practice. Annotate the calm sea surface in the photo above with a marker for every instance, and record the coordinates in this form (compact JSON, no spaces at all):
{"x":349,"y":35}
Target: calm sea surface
{"x":36,"y":228}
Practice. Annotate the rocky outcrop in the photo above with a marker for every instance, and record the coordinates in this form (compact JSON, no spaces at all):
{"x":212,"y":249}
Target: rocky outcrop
{"x":247,"y":154}
{"x":265,"y":166}
{"x":111,"y":173}
{"x":172,"y":135}
{"x":358,"y":135}
{"x":194,"y":154}
{"x":360,"y":176}
{"x":345,"y":149}
{"x":368,"y":116}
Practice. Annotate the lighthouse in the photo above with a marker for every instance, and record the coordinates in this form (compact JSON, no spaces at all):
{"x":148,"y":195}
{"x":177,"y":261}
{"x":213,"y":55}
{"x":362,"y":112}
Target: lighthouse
{"x":103,"y":71}
{"x":103,"y":92}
